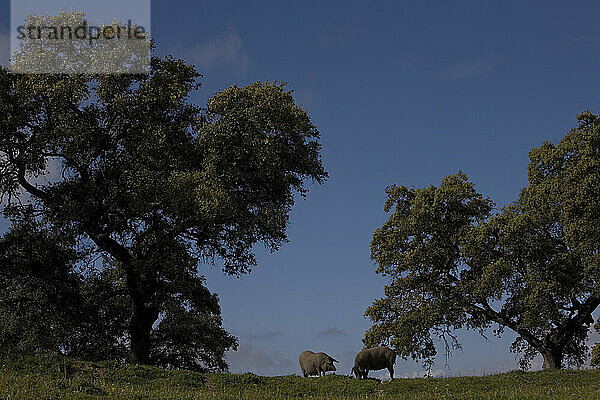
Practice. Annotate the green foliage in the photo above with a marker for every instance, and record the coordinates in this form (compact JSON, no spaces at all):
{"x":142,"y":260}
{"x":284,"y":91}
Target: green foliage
{"x":47,"y":306}
{"x":157,"y":185}
{"x":59,"y":378}
{"x":532,"y":267}
{"x":419,"y":247}
{"x":39,"y":290}
{"x":189,"y":334}
{"x":102,"y":329}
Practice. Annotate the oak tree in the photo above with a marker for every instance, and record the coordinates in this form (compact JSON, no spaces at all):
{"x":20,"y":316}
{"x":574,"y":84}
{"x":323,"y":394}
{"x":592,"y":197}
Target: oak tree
{"x":532,"y":267}
{"x":157,"y":183}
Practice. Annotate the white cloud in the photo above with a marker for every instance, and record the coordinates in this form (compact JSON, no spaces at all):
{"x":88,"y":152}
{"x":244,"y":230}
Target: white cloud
{"x":249,"y":358}
{"x":466,"y":69}
{"x":222,"y":51}
{"x":585,"y":40}
{"x":333,"y":332}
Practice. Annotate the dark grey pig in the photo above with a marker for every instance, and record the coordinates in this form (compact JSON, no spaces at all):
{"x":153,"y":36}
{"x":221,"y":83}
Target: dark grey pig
{"x":316,"y":363}
{"x":374,"y":359}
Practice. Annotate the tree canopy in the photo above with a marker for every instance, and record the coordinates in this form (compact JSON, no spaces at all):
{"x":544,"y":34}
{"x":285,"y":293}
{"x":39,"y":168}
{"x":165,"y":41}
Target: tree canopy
{"x":158,"y":184}
{"x":532,"y":266}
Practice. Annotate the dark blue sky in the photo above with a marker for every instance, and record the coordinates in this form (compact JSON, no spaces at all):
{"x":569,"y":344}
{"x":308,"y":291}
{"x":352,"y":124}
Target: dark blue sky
{"x":402,"y":94}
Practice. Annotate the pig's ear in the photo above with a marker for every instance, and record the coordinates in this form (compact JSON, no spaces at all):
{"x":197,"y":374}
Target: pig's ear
{"x":333,"y":359}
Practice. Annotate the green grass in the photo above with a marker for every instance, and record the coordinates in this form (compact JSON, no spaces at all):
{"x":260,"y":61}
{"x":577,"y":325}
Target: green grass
{"x":53,"y":378}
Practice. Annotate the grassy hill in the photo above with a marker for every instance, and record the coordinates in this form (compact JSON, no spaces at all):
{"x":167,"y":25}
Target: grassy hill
{"x":51,"y":378}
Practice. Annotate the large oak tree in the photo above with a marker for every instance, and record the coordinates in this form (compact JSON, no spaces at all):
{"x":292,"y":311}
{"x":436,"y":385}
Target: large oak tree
{"x":532,"y":267}
{"x":157,"y":183}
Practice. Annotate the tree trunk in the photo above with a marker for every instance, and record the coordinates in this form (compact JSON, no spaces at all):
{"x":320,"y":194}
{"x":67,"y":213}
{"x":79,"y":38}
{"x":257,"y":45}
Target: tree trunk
{"x":553,"y":358}
{"x":144,"y":312}
{"x":141,"y":289}
{"x":143,"y":317}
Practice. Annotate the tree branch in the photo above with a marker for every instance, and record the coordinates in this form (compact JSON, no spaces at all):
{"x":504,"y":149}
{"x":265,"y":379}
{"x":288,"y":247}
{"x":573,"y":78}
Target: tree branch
{"x":42,"y":195}
{"x":111,"y":246}
{"x":562,"y":334}
{"x":495,"y":316}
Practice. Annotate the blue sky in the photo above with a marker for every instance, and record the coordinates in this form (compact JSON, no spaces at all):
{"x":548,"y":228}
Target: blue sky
{"x":403,"y":93}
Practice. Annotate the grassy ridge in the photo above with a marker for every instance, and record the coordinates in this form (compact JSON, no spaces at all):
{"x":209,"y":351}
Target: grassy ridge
{"x":50,"y":378}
